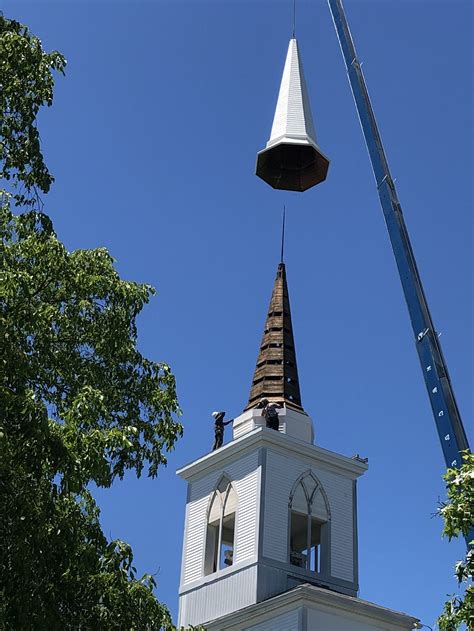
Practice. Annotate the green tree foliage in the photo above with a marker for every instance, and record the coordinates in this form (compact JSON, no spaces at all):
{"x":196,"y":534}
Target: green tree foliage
{"x":79,"y":404}
{"x":458,"y":515}
{"x":26,"y":84}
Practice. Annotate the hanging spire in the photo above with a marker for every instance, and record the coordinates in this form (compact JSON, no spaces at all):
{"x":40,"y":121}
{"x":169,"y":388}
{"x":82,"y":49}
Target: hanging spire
{"x":276,"y":374}
{"x":292,"y":159}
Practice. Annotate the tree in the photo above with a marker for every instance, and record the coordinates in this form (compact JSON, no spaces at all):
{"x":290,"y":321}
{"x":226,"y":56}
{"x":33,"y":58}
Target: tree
{"x":26,"y":85}
{"x":458,"y":515}
{"x":79,"y":403}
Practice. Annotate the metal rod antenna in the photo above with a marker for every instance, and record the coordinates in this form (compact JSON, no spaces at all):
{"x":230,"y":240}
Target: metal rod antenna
{"x":294,"y":18}
{"x":283,"y":234}
{"x":435,"y":371}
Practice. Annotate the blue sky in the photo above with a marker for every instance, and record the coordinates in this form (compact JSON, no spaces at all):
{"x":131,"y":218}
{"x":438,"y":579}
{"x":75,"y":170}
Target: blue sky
{"x":152,"y":139}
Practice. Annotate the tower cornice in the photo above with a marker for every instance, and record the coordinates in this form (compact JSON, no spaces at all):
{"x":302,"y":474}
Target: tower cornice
{"x":311,"y":596}
{"x":263,"y":437}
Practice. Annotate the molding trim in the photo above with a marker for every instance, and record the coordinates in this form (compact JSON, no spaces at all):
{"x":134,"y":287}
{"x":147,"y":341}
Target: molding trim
{"x":309,"y":596}
{"x":262,"y":463}
{"x":355,"y":549}
{"x":304,"y":619}
{"x":262,"y":437}
{"x":306,"y":576}
{"x":216,"y":576}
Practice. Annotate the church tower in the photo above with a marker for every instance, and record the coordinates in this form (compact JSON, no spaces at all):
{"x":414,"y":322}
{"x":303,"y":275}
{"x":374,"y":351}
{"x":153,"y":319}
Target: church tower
{"x":270,"y":539}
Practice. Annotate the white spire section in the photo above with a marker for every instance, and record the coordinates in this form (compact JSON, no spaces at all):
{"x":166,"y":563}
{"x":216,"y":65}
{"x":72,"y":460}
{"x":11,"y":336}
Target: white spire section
{"x":292,"y":160}
{"x":293,"y":119}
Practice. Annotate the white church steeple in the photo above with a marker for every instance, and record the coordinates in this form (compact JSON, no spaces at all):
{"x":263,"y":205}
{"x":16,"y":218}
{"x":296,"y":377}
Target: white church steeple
{"x":270,"y":537}
{"x":266,"y":514}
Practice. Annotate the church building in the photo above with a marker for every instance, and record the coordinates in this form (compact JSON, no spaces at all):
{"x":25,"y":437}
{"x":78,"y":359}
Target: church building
{"x":270,"y":534}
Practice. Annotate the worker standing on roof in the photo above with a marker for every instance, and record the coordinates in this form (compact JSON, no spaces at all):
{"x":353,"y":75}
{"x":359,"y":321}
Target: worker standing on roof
{"x":270,"y":413}
{"x":219,"y":429}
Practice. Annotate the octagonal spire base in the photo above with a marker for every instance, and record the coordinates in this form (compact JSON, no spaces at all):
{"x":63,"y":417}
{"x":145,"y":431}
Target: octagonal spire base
{"x":292,"y":165}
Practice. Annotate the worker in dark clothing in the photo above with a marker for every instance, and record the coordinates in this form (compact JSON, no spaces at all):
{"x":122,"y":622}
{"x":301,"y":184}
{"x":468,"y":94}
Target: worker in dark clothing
{"x":270,"y":413}
{"x":219,"y":429}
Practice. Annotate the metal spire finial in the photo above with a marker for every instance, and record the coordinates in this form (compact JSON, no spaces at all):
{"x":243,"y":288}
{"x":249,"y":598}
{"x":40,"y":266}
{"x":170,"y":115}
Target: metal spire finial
{"x":294,"y":18}
{"x":283,"y":234}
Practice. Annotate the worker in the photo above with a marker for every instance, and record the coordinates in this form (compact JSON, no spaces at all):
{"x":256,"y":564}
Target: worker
{"x":219,"y":429}
{"x":270,"y":413}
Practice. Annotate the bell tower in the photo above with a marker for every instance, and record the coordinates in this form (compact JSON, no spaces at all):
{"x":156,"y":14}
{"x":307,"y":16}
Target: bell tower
{"x":269,"y":513}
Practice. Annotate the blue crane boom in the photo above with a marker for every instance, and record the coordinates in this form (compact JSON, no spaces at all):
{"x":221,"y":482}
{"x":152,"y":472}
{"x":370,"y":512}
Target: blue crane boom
{"x":435,"y":372}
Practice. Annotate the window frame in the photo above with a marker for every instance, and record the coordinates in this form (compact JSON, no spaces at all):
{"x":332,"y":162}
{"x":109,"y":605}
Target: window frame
{"x":322,"y":554}
{"x":222,"y":496}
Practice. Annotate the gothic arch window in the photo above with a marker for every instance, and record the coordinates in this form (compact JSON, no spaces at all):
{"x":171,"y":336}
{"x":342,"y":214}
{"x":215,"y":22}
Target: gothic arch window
{"x":220,"y":532}
{"x":309,"y":525}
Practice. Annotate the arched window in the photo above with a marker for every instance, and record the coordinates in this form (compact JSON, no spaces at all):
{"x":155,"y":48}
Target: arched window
{"x":309,"y":517}
{"x":221,"y":528}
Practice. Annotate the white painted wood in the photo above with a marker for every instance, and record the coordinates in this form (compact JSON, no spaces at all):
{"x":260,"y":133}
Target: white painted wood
{"x":280,"y":460}
{"x":261,"y":437}
{"x":244,"y":475}
{"x":288,"y":621}
{"x":218,"y":598}
{"x":314,"y":609}
{"x":194,"y":539}
{"x":293,"y":118}
{"x":296,"y":424}
{"x":283,"y":470}
{"x":335,"y":622}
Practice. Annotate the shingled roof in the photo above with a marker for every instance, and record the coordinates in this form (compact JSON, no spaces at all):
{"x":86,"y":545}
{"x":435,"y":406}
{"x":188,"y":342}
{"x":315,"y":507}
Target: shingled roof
{"x":276,"y":373}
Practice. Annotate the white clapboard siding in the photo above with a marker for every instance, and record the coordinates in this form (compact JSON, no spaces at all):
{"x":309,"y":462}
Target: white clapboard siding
{"x":194,"y":540}
{"x":342,"y":527}
{"x":281,"y":474}
{"x":288,"y":621}
{"x":346,"y":621}
{"x":244,"y":475}
{"x":247,"y":514}
{"x":216,"y":599}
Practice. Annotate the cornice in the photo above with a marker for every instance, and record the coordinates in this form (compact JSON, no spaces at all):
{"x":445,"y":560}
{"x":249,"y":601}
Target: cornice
{"x":263,"y":437}
{"x":311,"y":596}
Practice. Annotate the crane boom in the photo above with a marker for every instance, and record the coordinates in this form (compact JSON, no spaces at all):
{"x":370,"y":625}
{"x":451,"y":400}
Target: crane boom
{"x":435,"y":372}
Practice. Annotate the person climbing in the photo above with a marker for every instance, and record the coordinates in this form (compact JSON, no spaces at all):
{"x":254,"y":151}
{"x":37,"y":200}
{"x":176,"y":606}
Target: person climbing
{"x":219,"y":429}
{"x":270,"y":413}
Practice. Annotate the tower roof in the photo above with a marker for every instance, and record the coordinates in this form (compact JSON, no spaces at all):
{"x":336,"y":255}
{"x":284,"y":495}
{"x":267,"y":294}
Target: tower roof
{"x":276,"y":373}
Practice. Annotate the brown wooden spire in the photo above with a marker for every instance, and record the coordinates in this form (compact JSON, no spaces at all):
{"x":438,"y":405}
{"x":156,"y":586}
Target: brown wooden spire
{"x":276,"y":374}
